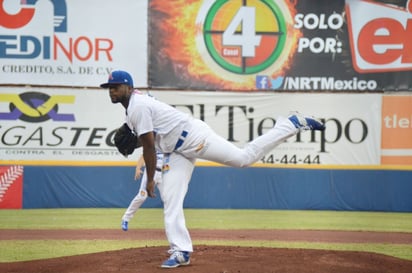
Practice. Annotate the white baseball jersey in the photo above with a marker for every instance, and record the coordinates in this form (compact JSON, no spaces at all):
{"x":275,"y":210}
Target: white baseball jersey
{"x":146,"y":114}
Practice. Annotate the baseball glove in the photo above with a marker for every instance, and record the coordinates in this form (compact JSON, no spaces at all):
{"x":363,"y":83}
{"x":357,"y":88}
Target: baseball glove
{"x":125,"y":140}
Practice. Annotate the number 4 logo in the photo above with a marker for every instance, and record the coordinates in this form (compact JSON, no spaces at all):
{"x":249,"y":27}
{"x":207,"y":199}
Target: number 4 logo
{"x":247,"y":39}
{"x":243,"y":37}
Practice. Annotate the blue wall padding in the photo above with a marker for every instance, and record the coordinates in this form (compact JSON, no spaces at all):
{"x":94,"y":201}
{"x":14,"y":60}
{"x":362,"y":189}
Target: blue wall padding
{"x":224,"y":187}
{"x":78,"y":187}
{"x":265,"y":188}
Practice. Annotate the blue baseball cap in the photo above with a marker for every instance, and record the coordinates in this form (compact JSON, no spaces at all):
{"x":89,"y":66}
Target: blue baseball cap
{"x":118,"y":77}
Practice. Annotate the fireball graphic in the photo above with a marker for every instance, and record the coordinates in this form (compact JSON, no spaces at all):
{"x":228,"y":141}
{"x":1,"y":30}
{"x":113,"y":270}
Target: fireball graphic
{"x":220,"y":44}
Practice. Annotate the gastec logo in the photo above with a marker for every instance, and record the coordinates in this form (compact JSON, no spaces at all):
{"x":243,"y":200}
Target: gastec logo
{"x":380,"y":36}
{"x":35,"y":107}
{"x":243,"y":37}
{"x":26,"y":13}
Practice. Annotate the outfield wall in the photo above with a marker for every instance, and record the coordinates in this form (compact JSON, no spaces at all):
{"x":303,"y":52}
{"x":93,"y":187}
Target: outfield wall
{"x":321,"y":57}
{"x":224,"y":187}
{"x":66,"y":158}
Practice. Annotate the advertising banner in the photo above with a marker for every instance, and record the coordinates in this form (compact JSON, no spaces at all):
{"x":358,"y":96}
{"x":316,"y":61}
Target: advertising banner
{"x":283,"y":45}
{"x":47,"y":125}
{"x":72,"y":43}
{"x":66,"y":126}
{"x":397,"y":130}
{"x":352,"y":135}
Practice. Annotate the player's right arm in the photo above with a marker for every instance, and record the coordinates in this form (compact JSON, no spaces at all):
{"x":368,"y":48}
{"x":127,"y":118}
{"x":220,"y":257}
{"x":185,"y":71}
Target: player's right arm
{"x":149,"y":156}
{"x":139,"y":166}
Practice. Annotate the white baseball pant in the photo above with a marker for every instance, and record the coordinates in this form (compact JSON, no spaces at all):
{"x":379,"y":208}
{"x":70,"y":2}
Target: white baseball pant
{"x":141,"y":196}
{"x":200,"y":141}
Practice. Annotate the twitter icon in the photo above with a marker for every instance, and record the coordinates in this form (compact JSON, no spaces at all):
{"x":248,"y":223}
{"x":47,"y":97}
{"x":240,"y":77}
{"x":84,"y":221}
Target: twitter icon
{"x":276,"y":83}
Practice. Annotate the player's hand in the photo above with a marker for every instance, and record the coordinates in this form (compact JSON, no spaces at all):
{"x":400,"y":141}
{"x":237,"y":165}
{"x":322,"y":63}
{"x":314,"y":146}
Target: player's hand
{"x":138,"y":173}
{"x":150,"y":188}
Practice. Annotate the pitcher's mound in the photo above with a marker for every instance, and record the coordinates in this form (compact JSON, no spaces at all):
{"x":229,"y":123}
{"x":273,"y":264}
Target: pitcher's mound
{"x":218,"y":259}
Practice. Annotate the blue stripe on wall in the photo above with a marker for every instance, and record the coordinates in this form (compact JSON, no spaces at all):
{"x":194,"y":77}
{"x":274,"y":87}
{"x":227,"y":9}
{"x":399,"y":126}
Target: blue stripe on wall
{"x":224,"y":187}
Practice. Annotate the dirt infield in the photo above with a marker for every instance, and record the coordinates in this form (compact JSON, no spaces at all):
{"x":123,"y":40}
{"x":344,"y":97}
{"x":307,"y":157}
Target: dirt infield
{"x":219,"y":259}
{"x":202,"y":234}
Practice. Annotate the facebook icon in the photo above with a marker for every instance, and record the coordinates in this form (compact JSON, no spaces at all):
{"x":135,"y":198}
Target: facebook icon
{"x":262,"y":82}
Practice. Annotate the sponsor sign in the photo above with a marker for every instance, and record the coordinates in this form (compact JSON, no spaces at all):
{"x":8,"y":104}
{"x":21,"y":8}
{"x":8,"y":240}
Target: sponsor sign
{"x":380,"y":37}
{"x":58,"y":125}
{"x":284,"y":45}
{"x":351,"y":138}
{"x":11,"y":187}
{"x":62,"y":126}
{"x":397,"y":130}
{"x":59,"y":42}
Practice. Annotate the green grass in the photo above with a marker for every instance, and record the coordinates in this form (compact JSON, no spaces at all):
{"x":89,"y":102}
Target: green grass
{"x":17,"y":250}
{"x":208,"y":219}
{"x":20,"y":250}
{"x":315,"y":220}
